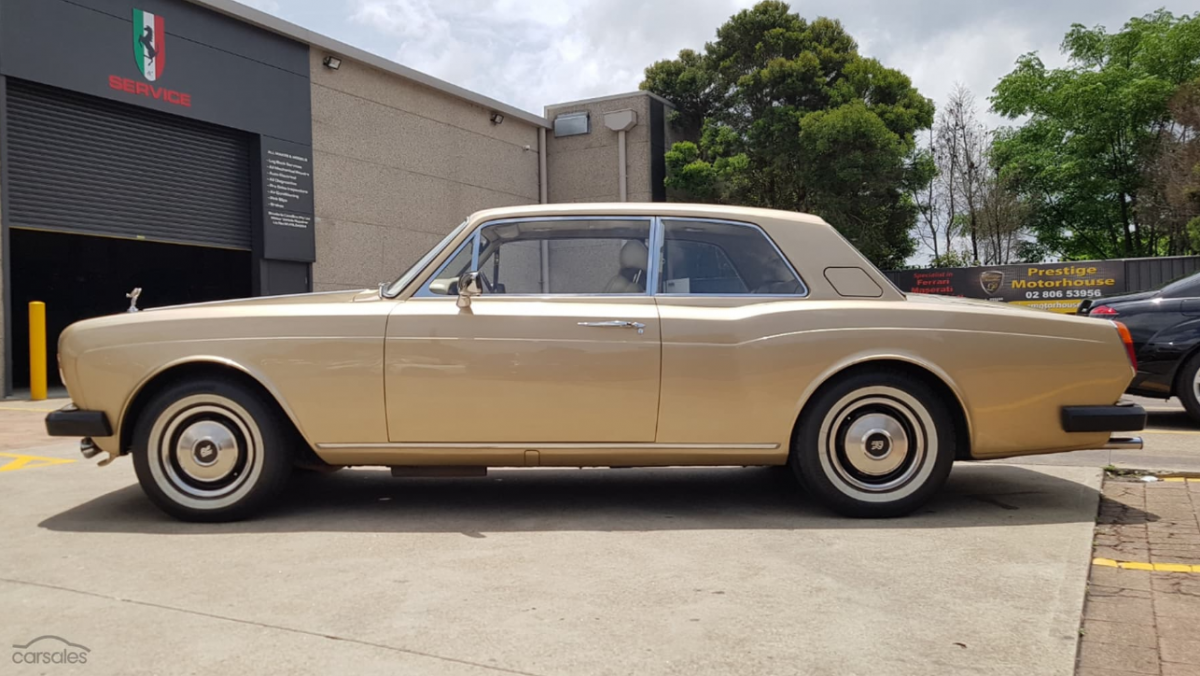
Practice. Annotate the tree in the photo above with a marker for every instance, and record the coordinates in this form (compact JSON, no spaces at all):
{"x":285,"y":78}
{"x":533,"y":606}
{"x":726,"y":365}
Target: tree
{"x":785,"y":113}
{"x":1080,"y":159}
{"x":969,"y":215}
{"x":1171,"y":198}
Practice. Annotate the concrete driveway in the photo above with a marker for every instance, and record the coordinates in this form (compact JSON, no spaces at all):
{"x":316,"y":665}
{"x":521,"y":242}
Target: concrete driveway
{"x":712,"y":571}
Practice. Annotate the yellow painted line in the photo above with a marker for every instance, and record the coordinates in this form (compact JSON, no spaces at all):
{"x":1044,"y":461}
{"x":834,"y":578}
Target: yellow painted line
{"x":32,"y":410}
{"x":29,"y":462}
{"x":1138,"y":565}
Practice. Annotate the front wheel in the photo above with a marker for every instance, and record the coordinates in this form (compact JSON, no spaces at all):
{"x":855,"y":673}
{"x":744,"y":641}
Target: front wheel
{"x":874,"y":444}
{"x":211,"y":450}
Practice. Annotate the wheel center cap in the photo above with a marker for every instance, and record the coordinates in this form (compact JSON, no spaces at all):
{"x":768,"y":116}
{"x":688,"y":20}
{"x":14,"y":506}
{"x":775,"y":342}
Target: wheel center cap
{"x":205,"y":452}
{"x":878,"y":444}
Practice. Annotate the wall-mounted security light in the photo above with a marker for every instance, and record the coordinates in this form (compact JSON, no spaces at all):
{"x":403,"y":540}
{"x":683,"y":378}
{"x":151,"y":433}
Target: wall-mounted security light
{"x":497,"y":118}
{"x":332,"y":62}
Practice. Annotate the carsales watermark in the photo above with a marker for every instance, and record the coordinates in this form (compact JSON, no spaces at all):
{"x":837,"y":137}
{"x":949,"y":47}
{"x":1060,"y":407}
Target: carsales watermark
{"x":50,"y":650}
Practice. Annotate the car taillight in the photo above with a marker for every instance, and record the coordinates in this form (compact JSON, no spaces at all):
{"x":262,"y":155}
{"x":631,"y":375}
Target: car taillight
{"x":1128,"y":340}
{"x":1102,"y":311}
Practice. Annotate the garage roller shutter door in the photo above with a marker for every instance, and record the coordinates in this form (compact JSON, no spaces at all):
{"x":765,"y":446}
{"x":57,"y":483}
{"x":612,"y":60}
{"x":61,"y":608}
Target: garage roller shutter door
{"x":86,"y":165}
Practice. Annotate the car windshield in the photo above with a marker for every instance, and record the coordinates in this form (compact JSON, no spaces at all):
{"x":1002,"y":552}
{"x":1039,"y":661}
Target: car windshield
{"x":397,"y":286}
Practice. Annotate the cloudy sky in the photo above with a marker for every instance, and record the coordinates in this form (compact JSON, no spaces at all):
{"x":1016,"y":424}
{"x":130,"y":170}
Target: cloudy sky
{"x":530,"y":53}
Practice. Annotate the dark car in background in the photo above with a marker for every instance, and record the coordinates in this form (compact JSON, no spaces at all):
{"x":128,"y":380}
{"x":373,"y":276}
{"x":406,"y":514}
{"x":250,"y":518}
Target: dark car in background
{"x":1165,"y":326}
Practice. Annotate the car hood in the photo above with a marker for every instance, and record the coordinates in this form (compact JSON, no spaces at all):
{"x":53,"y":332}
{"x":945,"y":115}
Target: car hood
{"x":291,"y":299}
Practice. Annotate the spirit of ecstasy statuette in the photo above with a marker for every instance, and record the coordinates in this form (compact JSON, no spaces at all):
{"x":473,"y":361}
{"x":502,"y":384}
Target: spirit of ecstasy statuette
{"x":133,"y":296}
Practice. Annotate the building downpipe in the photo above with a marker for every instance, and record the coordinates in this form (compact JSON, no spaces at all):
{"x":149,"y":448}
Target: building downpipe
{"x":543,"y":198}
{"x":621,"y":121}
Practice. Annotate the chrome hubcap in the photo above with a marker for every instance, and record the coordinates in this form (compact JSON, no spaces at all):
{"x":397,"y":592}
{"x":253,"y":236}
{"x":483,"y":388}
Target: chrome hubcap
{"x":207,"y":450}
{"x":1196,"y":387}
{"x":876,"y":440}
{"x":875,"y":444}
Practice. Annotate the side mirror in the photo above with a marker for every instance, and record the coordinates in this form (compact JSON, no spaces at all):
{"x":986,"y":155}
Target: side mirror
{"x":468,"y":287}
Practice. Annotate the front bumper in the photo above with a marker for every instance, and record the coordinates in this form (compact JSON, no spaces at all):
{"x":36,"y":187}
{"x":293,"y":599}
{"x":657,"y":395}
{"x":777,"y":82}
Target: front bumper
{"x":1119,"y":418}
{"x":72,"y":422}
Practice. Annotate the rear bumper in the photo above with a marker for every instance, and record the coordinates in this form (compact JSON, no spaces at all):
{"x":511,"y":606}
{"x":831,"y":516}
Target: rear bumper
{"x":1120,"y":418}
{"x":72,"y":422}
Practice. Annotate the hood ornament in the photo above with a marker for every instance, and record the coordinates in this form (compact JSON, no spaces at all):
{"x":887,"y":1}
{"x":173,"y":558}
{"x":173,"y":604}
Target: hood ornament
{"x":133,"y":298}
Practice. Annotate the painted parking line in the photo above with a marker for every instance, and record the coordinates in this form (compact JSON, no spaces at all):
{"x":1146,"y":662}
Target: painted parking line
{"x":28,"y":410}
{"x":16,"y":461}
{"x":1139,"y":565}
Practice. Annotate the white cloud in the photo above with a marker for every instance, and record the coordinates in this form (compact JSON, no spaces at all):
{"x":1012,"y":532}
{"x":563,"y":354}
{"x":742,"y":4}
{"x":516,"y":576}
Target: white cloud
{"x":539,"y":52}
{"x":536,"y":52}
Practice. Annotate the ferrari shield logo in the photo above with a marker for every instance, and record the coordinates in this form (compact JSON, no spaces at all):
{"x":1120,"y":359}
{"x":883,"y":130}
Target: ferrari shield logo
{"x":991,"y":280}
{"x":149,"y":44}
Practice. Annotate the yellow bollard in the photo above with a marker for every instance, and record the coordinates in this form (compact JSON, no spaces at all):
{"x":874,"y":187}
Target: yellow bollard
{"x":37,"y":350}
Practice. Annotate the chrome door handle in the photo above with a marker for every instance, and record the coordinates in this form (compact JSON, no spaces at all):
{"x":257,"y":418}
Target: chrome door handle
{"x":617,"y":324}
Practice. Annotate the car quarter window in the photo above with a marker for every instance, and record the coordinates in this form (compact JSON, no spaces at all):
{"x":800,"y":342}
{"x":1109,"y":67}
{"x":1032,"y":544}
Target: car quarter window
{"x":717,"y":258}
{"x":552,"y":256}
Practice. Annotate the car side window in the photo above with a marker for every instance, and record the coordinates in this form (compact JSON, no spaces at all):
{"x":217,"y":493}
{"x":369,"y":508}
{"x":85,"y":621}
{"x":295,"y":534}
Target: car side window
{"x":553,"y":257}
{"x":718,"y":258}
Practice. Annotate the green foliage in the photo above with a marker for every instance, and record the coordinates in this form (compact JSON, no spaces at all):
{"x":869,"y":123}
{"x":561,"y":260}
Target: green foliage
{"x":953,"y":259}
{"x":1093,"y":128}
{"x":785,"y":113}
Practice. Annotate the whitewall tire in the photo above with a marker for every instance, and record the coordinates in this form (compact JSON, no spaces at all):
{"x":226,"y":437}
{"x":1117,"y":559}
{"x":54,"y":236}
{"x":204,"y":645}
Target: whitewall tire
{"x":874,"y":444}
{"x":211,"y":450}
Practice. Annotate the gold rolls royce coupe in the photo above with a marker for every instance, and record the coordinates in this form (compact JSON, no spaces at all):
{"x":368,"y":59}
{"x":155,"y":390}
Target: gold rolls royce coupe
{"x":575,"y":335}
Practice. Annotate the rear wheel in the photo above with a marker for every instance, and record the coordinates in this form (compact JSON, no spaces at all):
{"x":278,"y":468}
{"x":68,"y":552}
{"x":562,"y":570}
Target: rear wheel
{"x":1188,"y":386}
{"x":874,"y":444}
{"x":211,"y":450}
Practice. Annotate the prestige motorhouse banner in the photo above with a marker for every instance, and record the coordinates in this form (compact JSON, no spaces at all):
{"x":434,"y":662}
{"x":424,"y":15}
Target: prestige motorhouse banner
{"x":1058,"y":287}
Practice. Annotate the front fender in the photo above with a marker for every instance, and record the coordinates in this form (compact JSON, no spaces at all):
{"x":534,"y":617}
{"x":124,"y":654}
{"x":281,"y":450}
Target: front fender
{"x":164,"y":371}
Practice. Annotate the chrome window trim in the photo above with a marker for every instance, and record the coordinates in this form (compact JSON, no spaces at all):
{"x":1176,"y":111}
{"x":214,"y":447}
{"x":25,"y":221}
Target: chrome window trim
{"x":804,"y":291}
{"x":477,"y":236}
{"x":428,"y":257}
{"x":657,"y":240}
{"x":424,"y":291}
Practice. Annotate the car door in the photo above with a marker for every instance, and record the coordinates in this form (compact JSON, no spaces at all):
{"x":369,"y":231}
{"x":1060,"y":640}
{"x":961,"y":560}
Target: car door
{"x":728,"y":299}
{"x":562,"y":347}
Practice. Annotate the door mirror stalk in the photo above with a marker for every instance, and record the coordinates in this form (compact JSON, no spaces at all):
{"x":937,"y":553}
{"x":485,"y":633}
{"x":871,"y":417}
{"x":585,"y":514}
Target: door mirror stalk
{"x":469,"y":286}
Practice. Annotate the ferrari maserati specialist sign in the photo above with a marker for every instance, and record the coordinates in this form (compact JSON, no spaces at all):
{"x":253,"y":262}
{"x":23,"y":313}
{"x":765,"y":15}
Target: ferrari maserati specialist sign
{"x":1058,"y":287}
